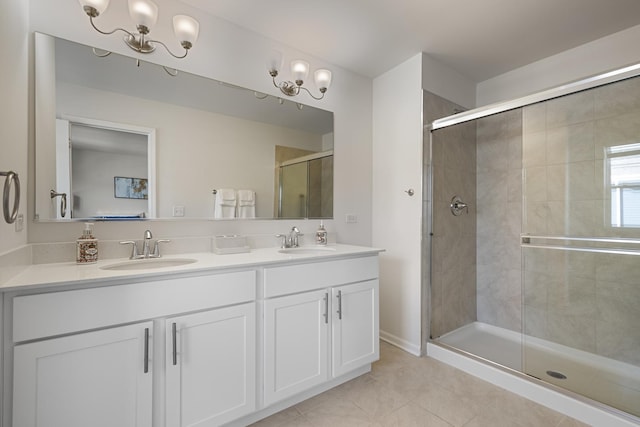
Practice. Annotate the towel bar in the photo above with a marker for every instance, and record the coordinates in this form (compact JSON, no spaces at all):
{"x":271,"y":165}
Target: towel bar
{"x":11,"y":178}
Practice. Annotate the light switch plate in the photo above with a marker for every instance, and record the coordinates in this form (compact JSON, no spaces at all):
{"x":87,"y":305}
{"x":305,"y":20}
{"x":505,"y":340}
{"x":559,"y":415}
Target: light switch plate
{"x":351,"y":218}
{"x":178,"y":211}
{"x":19,"y":223}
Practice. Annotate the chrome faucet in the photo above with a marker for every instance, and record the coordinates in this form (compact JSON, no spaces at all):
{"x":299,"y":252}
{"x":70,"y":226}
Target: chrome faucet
{"x":291,"y":240}
{"x":146,"y":247}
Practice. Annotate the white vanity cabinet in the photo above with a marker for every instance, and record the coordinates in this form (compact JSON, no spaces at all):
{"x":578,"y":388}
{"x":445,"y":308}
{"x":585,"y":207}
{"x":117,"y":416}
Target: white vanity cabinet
{"x":210,"y":366}
{"x":86,"y":357}
{"x":100,"y":379}
{"x":296,"y":346}
{"x":320,"y":322}
{"x":355,"y":327}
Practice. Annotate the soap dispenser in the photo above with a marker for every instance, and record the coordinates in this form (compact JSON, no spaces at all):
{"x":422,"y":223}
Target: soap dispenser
{"x":87,"y":246}
{"x":321,"y":235}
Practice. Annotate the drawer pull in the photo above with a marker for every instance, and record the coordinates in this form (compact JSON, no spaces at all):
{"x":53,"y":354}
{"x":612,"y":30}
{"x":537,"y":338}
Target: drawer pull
{"x":174,"y":343}
{"x":326,"y":307}
{"x":146,"y":350}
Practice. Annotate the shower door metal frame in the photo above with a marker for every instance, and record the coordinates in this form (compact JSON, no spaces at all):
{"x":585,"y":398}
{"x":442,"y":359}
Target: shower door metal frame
{"x":545,"y":95}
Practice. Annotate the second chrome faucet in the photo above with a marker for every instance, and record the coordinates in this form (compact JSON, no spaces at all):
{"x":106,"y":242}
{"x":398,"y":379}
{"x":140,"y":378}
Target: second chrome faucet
{"x":290,"y":240}
{"x":146,"y":247}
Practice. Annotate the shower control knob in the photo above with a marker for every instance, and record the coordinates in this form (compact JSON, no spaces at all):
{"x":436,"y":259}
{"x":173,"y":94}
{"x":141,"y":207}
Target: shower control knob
{"x":410,"y":192}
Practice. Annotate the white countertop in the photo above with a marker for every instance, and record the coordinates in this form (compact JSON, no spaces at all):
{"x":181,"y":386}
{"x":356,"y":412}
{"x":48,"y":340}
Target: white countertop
{"x":70,"y":273}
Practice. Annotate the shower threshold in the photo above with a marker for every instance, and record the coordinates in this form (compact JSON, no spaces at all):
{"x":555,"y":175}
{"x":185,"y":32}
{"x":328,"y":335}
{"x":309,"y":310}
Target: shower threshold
{"x":614,"y":383}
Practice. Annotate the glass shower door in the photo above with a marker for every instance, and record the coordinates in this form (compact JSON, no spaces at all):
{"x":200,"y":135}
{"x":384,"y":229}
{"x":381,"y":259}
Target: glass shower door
{"x":581,"y":243}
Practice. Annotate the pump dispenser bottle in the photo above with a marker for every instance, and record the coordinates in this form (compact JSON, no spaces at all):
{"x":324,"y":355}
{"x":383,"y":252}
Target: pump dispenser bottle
{"x":321,"y":235}
{"x":87,"y":246}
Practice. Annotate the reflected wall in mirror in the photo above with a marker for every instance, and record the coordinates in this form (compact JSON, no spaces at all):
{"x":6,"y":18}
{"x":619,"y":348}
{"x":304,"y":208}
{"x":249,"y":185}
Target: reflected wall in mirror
{"x":208,"y":135}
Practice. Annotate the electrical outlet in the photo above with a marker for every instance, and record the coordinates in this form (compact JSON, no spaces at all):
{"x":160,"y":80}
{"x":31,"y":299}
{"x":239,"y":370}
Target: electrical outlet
{"x":19,"y":223}
{"x":351,"y":218}
{"x":178,"y":211}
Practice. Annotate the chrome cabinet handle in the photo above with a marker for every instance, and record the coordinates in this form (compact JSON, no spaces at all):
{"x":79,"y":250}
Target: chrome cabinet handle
{"x":175,"y":343}
{"x":326,"y":307}
{"x":339,"y":305}
{"x":146,"y":350}
{"x":10,"y":215}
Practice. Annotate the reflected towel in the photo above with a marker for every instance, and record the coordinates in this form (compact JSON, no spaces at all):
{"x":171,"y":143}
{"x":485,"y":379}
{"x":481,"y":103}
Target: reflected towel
{"x":246,"y":204}
{"x":224,"y":205}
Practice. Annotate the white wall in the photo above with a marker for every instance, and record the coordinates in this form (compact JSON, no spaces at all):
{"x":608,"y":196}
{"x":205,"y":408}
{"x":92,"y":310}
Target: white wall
{"x":14,"y":45}
{"x":234,"y":55}
{"x":397,"y":165}
{"x":605,"y":54}
{"x":93,"y":186}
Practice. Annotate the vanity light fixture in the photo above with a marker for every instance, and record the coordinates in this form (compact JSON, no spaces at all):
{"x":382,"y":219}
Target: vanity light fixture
{"x":299,"y":71}
{"x":145,"y":15}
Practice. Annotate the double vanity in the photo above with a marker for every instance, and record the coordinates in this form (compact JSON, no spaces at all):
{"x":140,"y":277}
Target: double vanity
{"x":186,"y":340}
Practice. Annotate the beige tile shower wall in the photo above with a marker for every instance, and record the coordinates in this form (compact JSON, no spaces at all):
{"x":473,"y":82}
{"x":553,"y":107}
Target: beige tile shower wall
{"x":499,"y":207}
{"x":453,"y":278}
{"x":585,"y":300}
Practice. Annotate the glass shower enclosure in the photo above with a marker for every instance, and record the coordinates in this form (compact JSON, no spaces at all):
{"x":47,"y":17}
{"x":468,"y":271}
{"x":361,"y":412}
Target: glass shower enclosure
{"x":534,"y":225}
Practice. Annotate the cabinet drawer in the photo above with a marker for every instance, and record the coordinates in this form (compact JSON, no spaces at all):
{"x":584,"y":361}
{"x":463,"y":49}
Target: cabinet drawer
{"x":39,"y":316}
{"x":305,"y":277}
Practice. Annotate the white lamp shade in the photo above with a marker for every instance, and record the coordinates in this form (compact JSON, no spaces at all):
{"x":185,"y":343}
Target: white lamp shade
{"x":322,"y":78}
{"x":143,"y":12}
{"x":186,"y":28}
{"x":99,"y":5}
{"x":274,"y":62}
{"x":299,"y":70}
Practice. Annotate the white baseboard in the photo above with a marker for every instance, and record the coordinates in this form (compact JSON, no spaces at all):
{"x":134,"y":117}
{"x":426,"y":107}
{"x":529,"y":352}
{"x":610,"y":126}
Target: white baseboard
{"x":401,"y":343}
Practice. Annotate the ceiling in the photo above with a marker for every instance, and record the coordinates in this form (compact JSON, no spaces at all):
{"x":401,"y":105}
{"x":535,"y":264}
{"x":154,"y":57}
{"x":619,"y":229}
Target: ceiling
{"x":478,"y":38}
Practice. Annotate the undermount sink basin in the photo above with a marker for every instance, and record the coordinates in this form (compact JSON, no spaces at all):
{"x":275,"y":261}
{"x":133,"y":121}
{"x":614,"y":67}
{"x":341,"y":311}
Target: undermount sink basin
{"x":147,"y":264}
{"x":307,"y":251}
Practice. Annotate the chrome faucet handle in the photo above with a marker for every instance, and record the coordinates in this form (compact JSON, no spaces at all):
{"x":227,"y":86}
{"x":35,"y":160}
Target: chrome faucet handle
{"x":134,"y":249}
{"x":293,"y":237}
{"x":147,"y":234}
{"x":156,"y":248}
{"x":283,"y":242}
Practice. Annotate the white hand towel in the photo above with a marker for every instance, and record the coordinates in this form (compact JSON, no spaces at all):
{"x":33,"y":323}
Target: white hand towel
{"x":246,"y":198}
{"x":224,"y":203}
{"x":246,"y":204}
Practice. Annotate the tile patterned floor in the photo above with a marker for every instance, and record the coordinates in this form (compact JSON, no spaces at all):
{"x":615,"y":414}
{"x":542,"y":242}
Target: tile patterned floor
{"x":406,"y":391}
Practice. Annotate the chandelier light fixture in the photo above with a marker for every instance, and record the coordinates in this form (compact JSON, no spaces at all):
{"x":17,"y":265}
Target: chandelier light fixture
{"x":144,"y":14}
{"x":299,"y":72}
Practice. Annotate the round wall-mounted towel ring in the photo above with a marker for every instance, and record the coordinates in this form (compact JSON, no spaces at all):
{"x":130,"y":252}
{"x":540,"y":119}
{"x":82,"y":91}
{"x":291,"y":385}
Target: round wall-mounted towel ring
{"x":10,"y":215}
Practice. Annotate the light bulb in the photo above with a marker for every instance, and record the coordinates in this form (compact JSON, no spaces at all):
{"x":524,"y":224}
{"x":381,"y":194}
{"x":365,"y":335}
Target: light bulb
{"x":186,"y":30}
{"x":274,"y":62}
{"x":98,"y":5}
{"x":322,"y":78}
{"x":144,"y":13}
{"x":299,"y":70}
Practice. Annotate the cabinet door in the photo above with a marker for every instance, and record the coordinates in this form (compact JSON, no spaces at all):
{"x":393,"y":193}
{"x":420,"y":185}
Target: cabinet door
{"x":296,"y":341}
{"x":355,"y":326}
{"x":210,"y":366}
{"x":93,"y":379}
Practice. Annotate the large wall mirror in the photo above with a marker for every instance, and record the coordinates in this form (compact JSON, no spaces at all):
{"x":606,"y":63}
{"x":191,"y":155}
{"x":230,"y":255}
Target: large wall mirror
{"x":118,"y":139}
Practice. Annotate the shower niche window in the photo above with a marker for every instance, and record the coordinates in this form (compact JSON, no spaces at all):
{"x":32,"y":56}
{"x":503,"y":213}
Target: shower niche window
{"x":623,"y":179}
